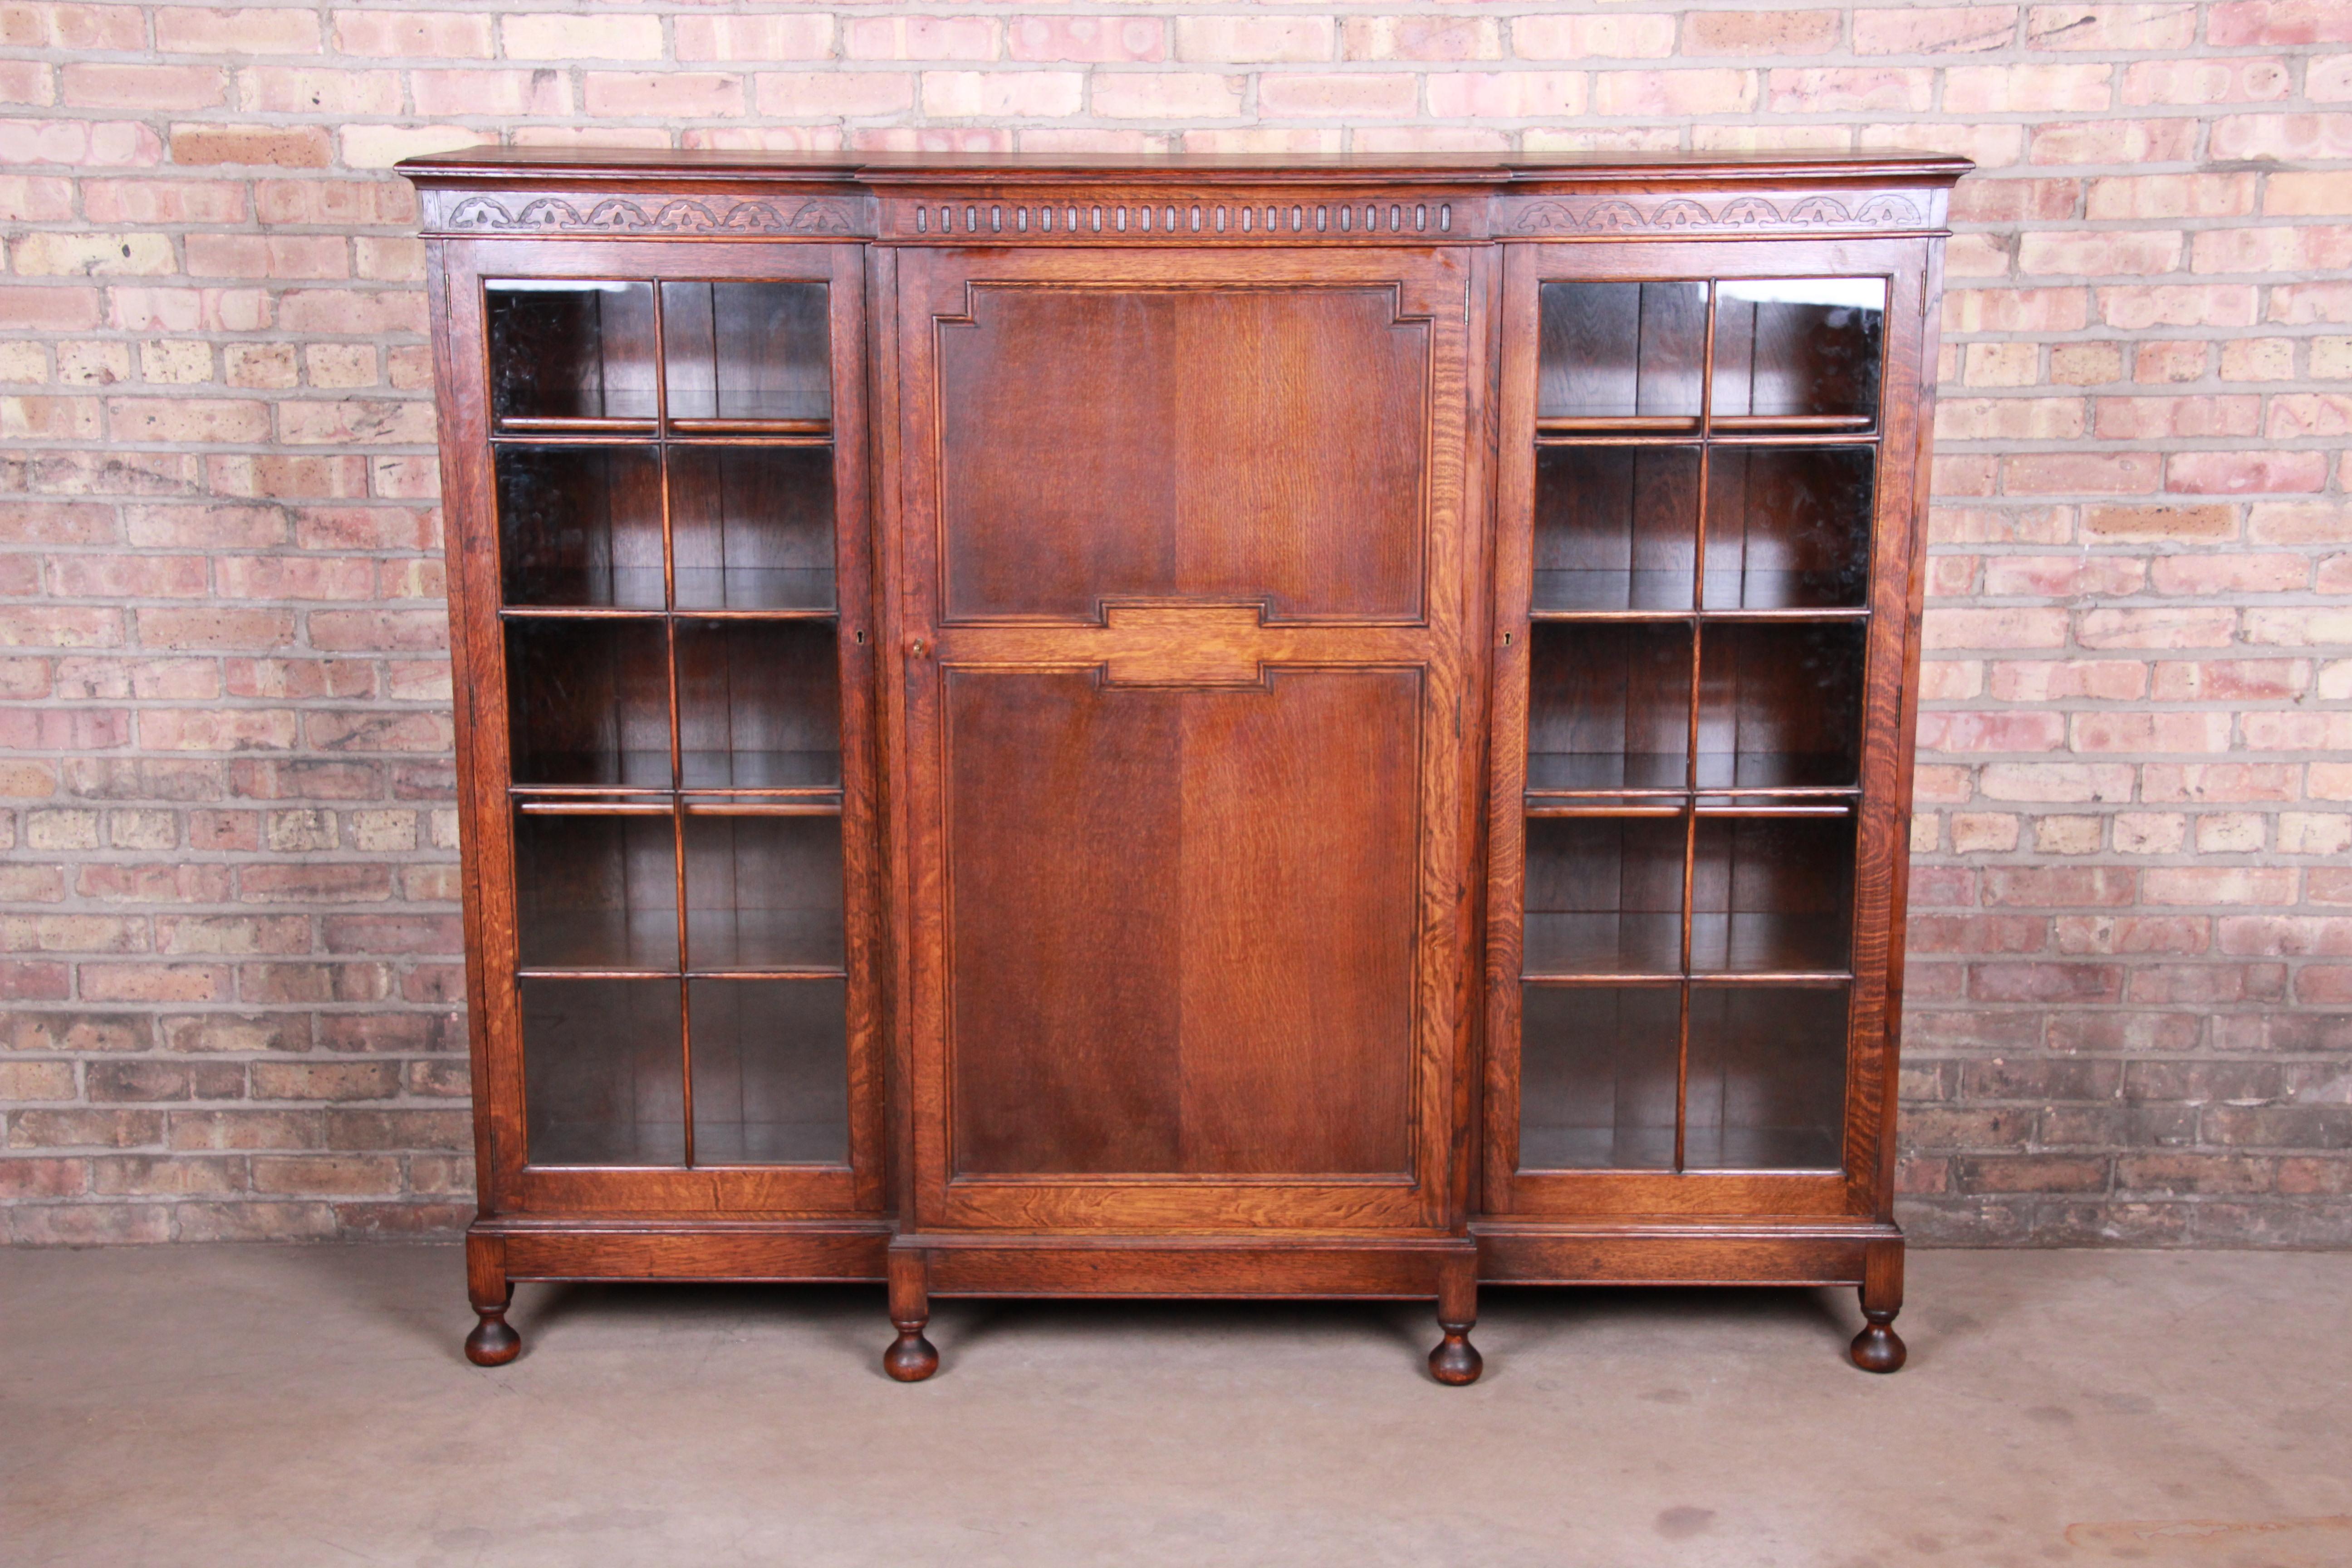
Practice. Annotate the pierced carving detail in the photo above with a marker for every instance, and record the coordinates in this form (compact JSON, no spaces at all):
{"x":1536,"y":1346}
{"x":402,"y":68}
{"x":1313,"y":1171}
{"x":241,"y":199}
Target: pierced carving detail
{"x":1682,"y":213}
{"x":618,"y":214}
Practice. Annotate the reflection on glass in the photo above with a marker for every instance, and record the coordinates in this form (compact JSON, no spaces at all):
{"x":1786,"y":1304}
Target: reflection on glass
{"x":1781,"y":705}
{"x":1621,"y":351}
{"x":1614,"y":527}
{"x":581,"y":525}
{"x":1772,"y":895}
{"x":762,"y":892}
{"x":564,"y":349}
{"x":770,"y":1071}
{"x":1597,"y":1077}
{"x":759,"y":704}
{"x":1607,"y":706}
{"x":1604,"y":895}
{"x":588,"y":703}
{"x":596,"y":892}
{"x":1767,"y":1078}
{"x":754,"y":527}
{"x":604,"y":1072}
{"x":747,"y":350}
{"x":1799,"y":348}
{"x":1789,"y":527}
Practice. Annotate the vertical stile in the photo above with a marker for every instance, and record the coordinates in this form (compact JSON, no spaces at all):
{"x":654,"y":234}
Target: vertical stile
{"x":1690,"y":759}
{"x":676,"y":757}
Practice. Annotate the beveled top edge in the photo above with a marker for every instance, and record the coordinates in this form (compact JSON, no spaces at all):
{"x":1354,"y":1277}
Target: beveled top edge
{"x":477,"y":166}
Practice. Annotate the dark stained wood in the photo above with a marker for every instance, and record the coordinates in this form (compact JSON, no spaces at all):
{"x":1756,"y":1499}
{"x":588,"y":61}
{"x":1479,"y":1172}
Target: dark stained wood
{"x":1219,"y":443}
{"x":711,"y":1248}
{"x":971,"y":757}
{"x":1304,"y":1267}
{"x":1155,"y":966}
{"x":1878,"y":1348}
{"x":1211,"y":768}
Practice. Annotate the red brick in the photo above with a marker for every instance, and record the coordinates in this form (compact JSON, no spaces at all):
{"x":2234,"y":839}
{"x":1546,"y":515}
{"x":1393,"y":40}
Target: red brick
{"x":1831,"y":89}
{"x":286,"y":146}
{"x":2240,"y":473}
{"x":2297,"y":136}
{"x":1941,"y":29}
{"x":1420,"y":38}
{"x":93,"y":85}
{"x":2238,"y":24}
{"x":2180,"y":82}
{"x":424,"y":35}
{"x":2135,"y":27}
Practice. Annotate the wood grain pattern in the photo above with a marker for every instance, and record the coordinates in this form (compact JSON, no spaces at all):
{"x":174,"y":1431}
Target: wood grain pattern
{"x":1148,"y":573}
{"x":1218,"y":442}
{"x":1272,"y":1025}
{"x":1184,"y":923}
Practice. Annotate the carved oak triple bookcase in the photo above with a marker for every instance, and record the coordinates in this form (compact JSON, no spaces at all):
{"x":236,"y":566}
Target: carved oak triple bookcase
{"x":1223,"y":727}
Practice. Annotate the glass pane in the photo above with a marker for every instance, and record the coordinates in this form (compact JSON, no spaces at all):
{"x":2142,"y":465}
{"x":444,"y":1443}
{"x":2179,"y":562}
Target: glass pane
{"x":1780,"y":706}
{"x":1614,"y":527}
{"x":1789,"y":527}
{"x":1609,"y":707}
{"x":604,"y":1072}
{"x":561,"y":349}
{"x":754,"y":527}
{"x":747,"y":350}
{"x":1604,"y":895}
{"x":1772,"y":895}
{"x":1597,"y":1077}
{"x":1767,"y":1078}
{"x":581,"y":525}
{"x":763,"y":893}
{"x":1799,"y":348}
{"x":1621,"y":351}
{"x":760,"y":705}
{"x":596,"y":892}
{"x":770,"y":1071}
{"x":588,"y":702}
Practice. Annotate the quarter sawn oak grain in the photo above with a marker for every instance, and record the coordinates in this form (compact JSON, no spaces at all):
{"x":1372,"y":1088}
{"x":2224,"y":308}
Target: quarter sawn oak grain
{"x":1232,"y":627}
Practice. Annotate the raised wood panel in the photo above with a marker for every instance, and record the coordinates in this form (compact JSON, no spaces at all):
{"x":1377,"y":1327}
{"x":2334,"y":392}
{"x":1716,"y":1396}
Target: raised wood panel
{"x":1225,"y":442}
{"x":1184,"y":923}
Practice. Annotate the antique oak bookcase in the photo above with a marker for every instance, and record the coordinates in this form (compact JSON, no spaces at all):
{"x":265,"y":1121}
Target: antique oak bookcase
{"x":1226,"y":727}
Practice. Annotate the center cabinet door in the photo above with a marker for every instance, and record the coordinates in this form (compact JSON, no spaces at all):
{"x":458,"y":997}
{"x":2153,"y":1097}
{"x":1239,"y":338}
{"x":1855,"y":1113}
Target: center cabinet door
{"x":1190,"y":726}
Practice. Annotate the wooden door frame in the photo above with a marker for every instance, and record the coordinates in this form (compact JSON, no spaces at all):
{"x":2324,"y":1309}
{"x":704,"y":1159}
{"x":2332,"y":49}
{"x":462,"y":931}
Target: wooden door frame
{"x":1455,"y":507}
{"x":507,"y":1185}
{"x":1862,"y":1189}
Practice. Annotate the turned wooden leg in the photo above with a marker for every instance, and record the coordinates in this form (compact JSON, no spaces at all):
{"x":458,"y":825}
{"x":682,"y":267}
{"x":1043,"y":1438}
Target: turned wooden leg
{"x":911,"y":1358}
{"x":1456,"y":1360}
{"x":493,"y":1342}
{"x":1878,"y":1348}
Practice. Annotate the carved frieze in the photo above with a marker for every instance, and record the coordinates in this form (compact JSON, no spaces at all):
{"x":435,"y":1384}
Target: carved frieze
{"x":1567,"y":216}
{"x":801,"y":217}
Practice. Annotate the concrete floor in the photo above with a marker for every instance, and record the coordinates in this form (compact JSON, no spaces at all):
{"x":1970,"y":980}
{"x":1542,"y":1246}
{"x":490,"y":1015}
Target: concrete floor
{"x":252,"y":1406}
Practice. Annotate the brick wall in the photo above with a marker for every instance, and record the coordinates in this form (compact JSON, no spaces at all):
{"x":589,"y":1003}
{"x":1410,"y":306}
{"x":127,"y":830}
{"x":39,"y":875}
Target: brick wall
{"x":228,"y":935}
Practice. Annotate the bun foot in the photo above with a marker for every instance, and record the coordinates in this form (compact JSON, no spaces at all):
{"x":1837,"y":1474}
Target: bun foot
{"x":493,"y":1342}
{"x":1455,"y":1361}
{"x":1878,"y":1348}
{"x":911,"y":1358}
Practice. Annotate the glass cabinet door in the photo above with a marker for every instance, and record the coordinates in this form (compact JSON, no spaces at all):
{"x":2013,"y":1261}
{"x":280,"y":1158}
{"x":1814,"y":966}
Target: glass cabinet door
{"x":1704,"y":482}
{"x":663,"y":468}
